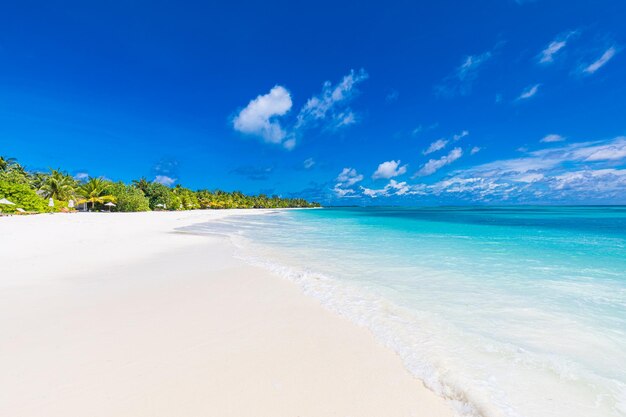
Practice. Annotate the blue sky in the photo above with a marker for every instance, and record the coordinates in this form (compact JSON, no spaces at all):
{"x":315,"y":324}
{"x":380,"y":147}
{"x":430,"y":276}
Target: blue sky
{"x":406,"y":102}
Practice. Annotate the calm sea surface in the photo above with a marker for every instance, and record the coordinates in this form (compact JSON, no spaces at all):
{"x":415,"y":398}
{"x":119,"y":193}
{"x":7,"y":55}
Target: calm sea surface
{"x":505,"y":311}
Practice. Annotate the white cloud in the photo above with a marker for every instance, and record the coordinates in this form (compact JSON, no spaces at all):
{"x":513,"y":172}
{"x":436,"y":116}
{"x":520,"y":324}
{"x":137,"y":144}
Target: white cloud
{"x":393,"y":188}
{"x":547,"y":55}
{"x":266,"y":115}
{"x":81,"y":176}
{"x":577,"y":172}
{"x":348,"y":177}
{"x":529,"y":92}
{"x":554,"y":158}
{"x":471,"y":63}
{"x":389,"y":169}
{"x":374,"y":193}
{"x":331,"y":102}
{"x":290,"y":143}
{"x":259,"y":116}
{"x":343,"y":192}
{"x":434,"y":165}
{"x":552,"y":138}
{"x":602,"y":61}
{"x":460,"y":135}
{"x":611,"y":152}
{"x":346,"y":118}
{"x":165,"y":180}
{"x":308,"y":163}
{"x":475,"y":150}
{"x":437,"y":145}
{"x":601,"y":180}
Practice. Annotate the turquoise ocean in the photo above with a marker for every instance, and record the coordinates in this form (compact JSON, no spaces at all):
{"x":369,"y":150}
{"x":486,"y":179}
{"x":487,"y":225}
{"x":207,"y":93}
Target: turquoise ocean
{"x":504,"y":311}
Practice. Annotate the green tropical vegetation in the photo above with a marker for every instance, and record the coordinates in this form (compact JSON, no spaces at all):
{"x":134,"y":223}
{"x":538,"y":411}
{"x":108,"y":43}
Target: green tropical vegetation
{"x":56,"y":190}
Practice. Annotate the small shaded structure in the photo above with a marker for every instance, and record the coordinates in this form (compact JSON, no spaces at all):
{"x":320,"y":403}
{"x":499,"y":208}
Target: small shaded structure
{"x":109,"y":205}
{"x":6,"y":203}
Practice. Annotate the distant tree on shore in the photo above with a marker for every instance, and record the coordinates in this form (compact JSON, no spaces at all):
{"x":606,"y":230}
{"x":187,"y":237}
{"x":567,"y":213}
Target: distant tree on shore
{"x":95,"y":191}
{"x":58,"y":185}
{"x":30,"y":191}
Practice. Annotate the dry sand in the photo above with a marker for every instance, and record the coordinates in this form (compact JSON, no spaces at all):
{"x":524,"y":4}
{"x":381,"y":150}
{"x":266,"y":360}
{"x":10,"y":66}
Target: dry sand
{"x":114,"y":315}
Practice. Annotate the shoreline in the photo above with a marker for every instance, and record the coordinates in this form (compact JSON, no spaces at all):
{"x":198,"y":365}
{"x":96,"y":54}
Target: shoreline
{"x":142,"y":320}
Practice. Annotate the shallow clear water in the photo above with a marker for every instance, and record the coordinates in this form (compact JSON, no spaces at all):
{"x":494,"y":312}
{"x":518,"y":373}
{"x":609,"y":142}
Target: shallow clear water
{"x":505,"y":311}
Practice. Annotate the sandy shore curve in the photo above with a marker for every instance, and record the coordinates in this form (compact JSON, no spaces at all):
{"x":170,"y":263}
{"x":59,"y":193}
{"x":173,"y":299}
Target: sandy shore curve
{"x":117,"y":315}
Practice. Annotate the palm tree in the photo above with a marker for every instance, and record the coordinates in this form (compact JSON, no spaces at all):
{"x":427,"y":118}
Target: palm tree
{"x":5,"y":163}
{"x":95,"y":191}
{"x":142,"y":183}
{"x":58,"y":185}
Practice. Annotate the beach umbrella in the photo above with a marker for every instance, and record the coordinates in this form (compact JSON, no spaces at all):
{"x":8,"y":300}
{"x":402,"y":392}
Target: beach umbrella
{"x":6,"y":202}
{"x":109,"y":205}
{"x":50,"y":202}
{"x":70,"y":204}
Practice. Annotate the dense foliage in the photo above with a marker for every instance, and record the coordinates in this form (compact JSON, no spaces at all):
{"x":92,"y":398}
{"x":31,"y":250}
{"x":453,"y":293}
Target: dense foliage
{"x":129,"y":198}
{"x":22,"y":196}
{"x":32,"y":191}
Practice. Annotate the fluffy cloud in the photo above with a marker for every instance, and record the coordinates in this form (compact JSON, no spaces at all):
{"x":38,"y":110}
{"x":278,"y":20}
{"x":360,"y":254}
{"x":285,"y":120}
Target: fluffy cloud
{"x":343,"y":192}
{"x":389,"y":169}
{"x":266,"y":115}
{"x":81,"y":176}
{"x":577,"y":172}
{"x":552,"y":138}
{"x":259,"y":117}
{"x":435,"y":146}
{"x":348,"y":177}
{"x":165,"y":180}
{"x":165,"y":171}
{"x":602,"y":180}
{"x":600,"y":62}
{"x":392,"y":188}
{"x":547,"y":55}
{"x":475,"y":150}
{"x":330,"y":104}
{"x":460,"y":135}
{"x":434,"y":165}
{"x":613,"y":151}
{"x":529,"y":92}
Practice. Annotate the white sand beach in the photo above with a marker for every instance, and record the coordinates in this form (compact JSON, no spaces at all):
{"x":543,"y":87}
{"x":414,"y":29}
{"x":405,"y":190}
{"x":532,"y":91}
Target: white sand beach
{"x":116,"y":315}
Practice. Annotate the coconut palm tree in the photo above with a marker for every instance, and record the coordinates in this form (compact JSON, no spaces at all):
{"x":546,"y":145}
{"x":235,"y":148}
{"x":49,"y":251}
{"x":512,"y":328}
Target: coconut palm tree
{"x":5,"y":163}
{"x":95,"y":190}
{"x":142,"y":183}
{"x":58,"y":185}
